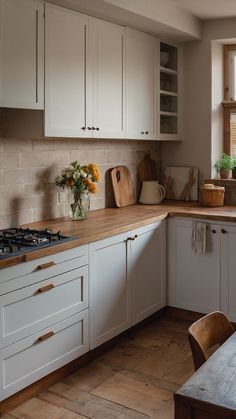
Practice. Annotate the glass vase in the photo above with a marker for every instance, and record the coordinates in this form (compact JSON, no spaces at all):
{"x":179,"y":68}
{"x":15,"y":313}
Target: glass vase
{"x":79,"y":208}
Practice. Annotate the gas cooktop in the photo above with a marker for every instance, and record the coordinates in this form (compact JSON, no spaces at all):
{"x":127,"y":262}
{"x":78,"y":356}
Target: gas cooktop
{"x":15,"y":241}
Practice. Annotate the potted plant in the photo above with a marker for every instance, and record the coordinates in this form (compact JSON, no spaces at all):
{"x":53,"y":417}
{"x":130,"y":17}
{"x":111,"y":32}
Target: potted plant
{"x":234,"y":168}
{"x":224,"y":166}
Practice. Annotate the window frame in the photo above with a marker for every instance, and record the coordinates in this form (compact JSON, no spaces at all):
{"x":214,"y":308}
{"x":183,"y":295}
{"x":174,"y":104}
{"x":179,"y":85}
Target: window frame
{"x":229,"y":108}
{"x":229,"y":105}
{"x":228,"y":84}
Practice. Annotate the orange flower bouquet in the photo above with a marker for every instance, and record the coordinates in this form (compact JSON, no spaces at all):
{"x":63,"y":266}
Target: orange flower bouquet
{"x":81,"y":180}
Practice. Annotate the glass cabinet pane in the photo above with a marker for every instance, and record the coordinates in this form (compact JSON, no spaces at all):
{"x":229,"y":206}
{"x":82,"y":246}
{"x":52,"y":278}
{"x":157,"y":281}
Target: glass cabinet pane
{"x":168,"y":103}
{"x":168,"y":56}
{"x":169,"y":91}
{"x":168,"y":124}
{"x":168,"y":82}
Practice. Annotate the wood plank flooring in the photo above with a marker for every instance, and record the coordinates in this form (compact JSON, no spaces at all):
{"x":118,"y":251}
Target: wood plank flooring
{"x":135,"y":379}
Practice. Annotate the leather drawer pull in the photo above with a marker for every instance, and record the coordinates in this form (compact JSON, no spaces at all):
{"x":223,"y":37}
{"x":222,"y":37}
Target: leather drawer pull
{"x":45,"y":265}
{"x":46,"y":288}
{"x":46,"y":336}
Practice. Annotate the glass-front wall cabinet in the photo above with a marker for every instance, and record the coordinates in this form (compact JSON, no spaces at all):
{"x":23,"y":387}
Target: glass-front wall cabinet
{"x":169,"y":92}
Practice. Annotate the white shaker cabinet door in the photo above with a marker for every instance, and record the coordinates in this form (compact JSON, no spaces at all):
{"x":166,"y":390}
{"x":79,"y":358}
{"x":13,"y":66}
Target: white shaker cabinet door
{"x":109,"y":289}
{"x":193,"y":279}
{"x":21,"y":54}
{"x":146,"y":266}
{"x":228,"y":270}
{"x":65,"y":73}
{"x":141,"y":85}
{"x":107,"y":58}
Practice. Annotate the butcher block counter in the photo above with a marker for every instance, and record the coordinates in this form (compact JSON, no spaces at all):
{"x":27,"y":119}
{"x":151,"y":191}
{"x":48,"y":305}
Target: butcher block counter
{"x":107,"y":222}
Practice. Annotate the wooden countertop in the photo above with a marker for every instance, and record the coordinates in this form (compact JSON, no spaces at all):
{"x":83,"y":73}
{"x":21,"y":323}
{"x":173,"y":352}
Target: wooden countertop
{"x":110,"y":221}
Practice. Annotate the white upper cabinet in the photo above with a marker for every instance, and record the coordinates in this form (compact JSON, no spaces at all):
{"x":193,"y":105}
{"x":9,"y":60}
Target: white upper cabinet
{"x":84,"y":77}
{"x":170,"y":94}
{"x":66,"y":35}
{"x":107,"y":50}
{"x":21,"y":54}
{"x":141,"y":85}
{"x":102,"y":80}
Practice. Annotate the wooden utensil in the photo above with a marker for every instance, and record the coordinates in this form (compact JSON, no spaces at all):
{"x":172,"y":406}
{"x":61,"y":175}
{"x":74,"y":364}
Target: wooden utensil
{"x":147,"y":169}
{"x":123,"y":186}
{"x":186,"y":193}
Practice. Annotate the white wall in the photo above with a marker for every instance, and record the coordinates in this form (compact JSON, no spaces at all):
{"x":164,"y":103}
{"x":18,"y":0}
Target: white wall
{"x":217,"y":99}
{"x":202,"y":94}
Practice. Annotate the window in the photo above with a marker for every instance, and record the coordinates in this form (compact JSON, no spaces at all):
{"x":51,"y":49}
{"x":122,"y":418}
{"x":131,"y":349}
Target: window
{"x":230,"y":99}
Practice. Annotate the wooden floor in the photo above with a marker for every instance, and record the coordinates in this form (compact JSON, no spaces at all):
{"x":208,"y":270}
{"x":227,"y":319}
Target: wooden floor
{"x":135,"y":379}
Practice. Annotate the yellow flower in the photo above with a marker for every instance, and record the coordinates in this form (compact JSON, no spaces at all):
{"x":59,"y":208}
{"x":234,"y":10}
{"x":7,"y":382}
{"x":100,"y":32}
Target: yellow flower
{"x":91,"y":186}
{"x":94,"y":171}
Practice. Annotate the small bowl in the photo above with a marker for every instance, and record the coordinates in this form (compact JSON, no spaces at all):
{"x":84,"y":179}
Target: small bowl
{"x":164,"y":58}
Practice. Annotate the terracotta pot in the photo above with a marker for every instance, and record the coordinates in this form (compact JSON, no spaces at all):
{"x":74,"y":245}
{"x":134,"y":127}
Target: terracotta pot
{"x":225,"y":174}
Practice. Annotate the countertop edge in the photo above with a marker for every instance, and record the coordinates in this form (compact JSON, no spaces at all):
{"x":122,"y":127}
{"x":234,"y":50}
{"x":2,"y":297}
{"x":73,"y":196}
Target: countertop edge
{"x":108,"y":222}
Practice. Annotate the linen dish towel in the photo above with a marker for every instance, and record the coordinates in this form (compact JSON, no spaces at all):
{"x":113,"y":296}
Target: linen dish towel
{"x":198,"y":242}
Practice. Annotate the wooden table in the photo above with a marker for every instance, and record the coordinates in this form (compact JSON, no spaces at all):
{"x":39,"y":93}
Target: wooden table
{"x":211,"y":392}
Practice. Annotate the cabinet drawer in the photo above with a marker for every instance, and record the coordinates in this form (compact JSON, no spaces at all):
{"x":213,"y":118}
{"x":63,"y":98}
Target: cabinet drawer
{"x":30,"y":359}
{"x":30,"y":309}
{"x":47,"y":267}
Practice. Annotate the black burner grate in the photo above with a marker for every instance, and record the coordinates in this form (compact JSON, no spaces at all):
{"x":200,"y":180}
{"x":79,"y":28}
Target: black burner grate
{"x":21,"y":240}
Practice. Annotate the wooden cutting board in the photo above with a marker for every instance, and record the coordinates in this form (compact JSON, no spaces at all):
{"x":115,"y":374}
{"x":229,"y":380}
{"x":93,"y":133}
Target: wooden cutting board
{"x":147,"y":169}
{"x":123,"y":186}
{"x":181,"y":183}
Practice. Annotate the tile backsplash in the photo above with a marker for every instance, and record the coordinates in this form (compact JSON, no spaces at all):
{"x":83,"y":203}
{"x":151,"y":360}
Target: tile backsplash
{"x":29,"y":163}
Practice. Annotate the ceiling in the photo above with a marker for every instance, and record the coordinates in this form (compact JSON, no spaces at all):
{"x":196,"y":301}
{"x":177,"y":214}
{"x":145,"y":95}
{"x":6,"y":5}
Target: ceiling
{"x":209,"y":9}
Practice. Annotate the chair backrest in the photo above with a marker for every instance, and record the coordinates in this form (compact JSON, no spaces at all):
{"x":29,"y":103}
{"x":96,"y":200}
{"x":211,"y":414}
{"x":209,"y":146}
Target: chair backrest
{"x":207,"y":332}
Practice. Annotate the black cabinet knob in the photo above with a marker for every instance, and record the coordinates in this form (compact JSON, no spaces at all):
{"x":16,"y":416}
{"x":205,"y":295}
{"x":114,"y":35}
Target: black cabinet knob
{"x":142,"y":132}
{"x":213,"y":231}
{"x":146,"y":132}
{"x":93,"y":128}
{"x":223,"y":231}
{"x":83,"y":128}
{"x":89,"y":128}
{"x":97,"y":129}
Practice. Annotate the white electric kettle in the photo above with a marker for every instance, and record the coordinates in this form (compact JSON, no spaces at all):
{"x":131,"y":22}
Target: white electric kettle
{"x":152,"y":192}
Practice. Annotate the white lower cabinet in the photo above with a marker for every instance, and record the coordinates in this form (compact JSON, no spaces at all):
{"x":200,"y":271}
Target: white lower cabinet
{"x":46,"y":318}
{"x":127,"y":280}
{"x":228,"y":270}
{"x":109,"y":289}
{"x":202,"y":282}
{"x":36,"y":356}
{"x":147,"y":270}
{"x":43,"y":317}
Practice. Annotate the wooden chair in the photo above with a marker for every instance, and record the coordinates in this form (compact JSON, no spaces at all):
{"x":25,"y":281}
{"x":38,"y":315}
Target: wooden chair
{"x":207,"y":332}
